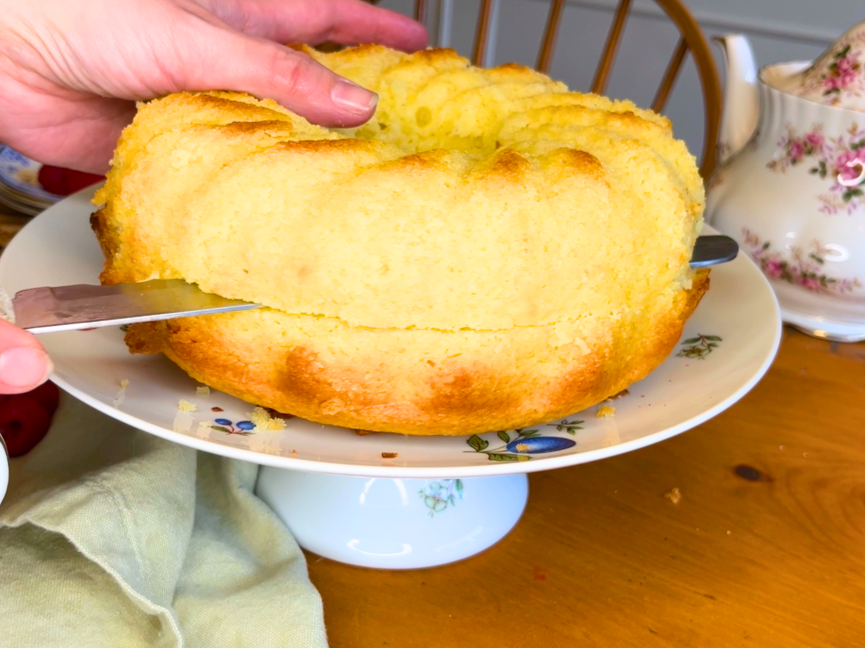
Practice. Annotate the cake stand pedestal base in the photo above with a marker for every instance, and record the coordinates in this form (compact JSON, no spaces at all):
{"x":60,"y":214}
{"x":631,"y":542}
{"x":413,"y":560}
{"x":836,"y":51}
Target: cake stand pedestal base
{"x":388,"y":523}
{"x":819,"y":327}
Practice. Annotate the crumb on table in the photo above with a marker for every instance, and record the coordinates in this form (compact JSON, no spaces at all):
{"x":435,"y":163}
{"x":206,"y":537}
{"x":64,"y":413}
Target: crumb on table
{"x":674,"y":496}
{"x":606,"y":411}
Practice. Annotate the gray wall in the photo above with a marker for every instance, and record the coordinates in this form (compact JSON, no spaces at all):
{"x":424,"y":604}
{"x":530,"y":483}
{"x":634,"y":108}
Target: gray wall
{"x":778,"y":29}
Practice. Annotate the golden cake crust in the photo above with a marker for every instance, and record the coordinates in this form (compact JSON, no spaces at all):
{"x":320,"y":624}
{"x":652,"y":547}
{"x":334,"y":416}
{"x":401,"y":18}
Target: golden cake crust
{"x":490,"y":251}
{"x":283,"y":361}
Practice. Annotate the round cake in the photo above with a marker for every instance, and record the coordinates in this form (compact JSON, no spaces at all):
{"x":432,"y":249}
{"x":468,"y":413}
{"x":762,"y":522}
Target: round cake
{"x":490,"y":251}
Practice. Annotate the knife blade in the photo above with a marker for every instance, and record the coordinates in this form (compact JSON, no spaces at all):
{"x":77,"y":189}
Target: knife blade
{"x":84,"y":306}
{"x":713,"y":250}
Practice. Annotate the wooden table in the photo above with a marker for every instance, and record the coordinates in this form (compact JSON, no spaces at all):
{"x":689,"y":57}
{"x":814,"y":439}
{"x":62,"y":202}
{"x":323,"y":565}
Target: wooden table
{"x":765,"y":548}
{"x":10,"y":224}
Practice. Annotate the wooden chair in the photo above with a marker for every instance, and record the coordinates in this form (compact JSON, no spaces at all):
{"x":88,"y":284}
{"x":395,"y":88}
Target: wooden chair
{"x":691,"y":40}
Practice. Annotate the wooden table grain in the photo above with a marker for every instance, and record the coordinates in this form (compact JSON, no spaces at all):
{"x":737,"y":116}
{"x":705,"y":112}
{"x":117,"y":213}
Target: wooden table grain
{"x":766,"y":546}
{"x":10,"y":224}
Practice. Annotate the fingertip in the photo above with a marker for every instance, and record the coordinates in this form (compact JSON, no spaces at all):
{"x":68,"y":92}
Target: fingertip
{"x":321,"y":96}
{"x":404,"y":34}
{"x":23,"y":368}
{"x":24,"y":365}
{"x":353,"y":98}
{"x":294,"y":80}
{"x":416,"y":35}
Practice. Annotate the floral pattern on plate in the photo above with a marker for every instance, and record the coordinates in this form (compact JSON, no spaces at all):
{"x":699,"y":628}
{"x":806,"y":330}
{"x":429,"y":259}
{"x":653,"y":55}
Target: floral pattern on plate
{"x":438,"y":495}
{"x":699,"y":347}
{"x":804,"y":267}
{"x":840,"y":159}
{"x":244,"y":428}
{"x":21,"y":174}
{"x":520,"y":445}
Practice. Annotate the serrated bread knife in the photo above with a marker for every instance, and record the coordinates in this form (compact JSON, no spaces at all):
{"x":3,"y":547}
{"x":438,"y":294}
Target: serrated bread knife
{"x":83,"y":306}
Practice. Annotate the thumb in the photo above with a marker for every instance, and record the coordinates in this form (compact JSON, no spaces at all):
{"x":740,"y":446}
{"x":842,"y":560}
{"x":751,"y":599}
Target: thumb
{"x":269,"y":70}
{"x":24,"y":365}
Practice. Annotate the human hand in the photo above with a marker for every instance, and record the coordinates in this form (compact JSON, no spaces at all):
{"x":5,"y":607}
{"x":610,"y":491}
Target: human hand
{"x":24,"y":365}
{"x":70,"y":72}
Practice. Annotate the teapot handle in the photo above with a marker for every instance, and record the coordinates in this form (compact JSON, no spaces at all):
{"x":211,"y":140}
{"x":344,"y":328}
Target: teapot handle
{"x":741,"y":109}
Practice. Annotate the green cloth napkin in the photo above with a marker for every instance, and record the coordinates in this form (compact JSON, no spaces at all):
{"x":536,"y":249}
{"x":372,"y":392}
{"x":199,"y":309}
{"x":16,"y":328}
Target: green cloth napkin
{"x":112,"y":537}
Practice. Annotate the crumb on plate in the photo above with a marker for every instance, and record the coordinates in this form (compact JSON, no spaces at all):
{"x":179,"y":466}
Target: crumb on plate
{"x":264,"y":421}
{"x":186,"y":406}
{"x":183,"y":421}
{"x":389,"y":455}
{"x":606,"y":411}
{"x":202,"y":390}
{"x":121,"y":395}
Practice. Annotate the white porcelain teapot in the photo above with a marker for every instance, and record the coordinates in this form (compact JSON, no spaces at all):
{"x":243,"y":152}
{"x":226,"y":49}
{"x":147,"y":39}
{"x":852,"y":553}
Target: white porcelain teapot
{"x":790,"y":186}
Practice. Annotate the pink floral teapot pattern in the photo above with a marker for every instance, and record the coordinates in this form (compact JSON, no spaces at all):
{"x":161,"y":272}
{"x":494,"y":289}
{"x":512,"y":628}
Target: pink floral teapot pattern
{"x":837,"y":78}
{"x":790,"y":185}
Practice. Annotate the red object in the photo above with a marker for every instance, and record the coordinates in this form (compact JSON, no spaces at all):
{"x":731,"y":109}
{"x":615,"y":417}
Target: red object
{"x":26,"y":418}
{"x":48,"y":396}
{"x":23,"y":424}
{"x":62,"y":182}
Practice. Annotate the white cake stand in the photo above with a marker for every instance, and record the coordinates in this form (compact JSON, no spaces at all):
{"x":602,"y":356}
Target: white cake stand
{"x":384,"y":500}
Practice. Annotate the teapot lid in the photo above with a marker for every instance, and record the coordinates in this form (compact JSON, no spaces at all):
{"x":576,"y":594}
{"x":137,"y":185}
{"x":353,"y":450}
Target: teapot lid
{"x":837,"y":77}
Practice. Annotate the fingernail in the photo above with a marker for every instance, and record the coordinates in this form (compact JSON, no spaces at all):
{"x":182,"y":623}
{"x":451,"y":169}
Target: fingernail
{"x":345,"y":93}
{"x":24,"y":367}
